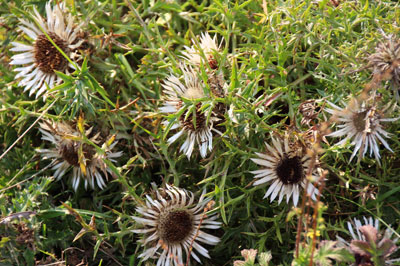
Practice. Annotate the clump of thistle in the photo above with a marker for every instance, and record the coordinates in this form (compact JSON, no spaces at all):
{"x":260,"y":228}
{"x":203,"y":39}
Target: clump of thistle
{"x":361,"y":122}
{"x":285,"y":167}
{"x":70,"y":151}
{"x":185,"y":99}
{"x":172,"y":226}
{"x":41,"y":59}
{"x":207,"y":53}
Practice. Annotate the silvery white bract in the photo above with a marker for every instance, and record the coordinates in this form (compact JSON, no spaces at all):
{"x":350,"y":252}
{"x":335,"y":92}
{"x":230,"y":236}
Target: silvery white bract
{"x":208,"y":46}
{"x":196,"y":130}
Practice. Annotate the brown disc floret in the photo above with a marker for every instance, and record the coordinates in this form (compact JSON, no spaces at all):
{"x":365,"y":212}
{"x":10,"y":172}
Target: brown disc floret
{"x":189,"y":123}
{"x":70,"y":152}
{"x":175,"y":226}
{"x":47,"y":57}
{"x":290,"y":170}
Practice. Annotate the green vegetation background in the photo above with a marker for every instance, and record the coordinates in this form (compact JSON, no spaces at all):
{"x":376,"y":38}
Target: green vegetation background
{"x":301,"y":49}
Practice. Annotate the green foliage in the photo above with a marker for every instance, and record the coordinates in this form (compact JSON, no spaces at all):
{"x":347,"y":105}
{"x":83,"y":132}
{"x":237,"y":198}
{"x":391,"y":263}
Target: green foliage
{"x":274,"y":56}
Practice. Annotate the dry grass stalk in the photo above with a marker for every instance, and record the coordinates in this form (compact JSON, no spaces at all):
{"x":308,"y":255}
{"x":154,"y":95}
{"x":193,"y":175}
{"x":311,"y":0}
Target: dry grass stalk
{"x":307,"y":204}
{"x":206,"y":209}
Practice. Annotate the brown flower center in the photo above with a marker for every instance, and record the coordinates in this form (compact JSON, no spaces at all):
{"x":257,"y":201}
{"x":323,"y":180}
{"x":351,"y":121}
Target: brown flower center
{"x":47,"y":57}
{"x":176,"y":226}
{"x":189,"y":123}
{"x":359,"y":121}
{"x":290,"y":170}
{"x":70,"y":152}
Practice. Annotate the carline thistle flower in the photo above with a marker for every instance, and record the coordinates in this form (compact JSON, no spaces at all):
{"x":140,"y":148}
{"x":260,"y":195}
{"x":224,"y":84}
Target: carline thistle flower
{"x":193,"y":55}
{"x":367,"y":238}
{"x":70,"y":152}
{"x":40,"y":59}
{"x":172,"y":223}
{"x":194,"y":125}
{"x":362,"y":124}
{"x":286,"y":166}
{"x":208,"y":46}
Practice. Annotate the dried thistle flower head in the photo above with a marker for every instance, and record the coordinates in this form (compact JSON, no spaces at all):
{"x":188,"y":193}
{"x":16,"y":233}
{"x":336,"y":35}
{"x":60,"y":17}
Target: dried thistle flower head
{"x":40,"y":59}
{"x":386,"y":60}
{"x":172,"y":223}
{"x":71,"y":152}
{"x":309,"y":110}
